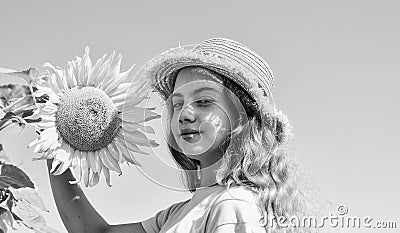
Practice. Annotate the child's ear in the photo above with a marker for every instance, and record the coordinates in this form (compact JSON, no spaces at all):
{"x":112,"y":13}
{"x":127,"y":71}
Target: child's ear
{"x":283,"y":128}
{"x":279,"y":130}
{"x":277,"y":127}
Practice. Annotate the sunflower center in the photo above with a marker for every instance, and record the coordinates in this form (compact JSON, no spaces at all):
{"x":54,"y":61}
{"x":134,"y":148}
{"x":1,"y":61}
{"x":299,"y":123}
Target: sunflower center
{"x":87,"y":118}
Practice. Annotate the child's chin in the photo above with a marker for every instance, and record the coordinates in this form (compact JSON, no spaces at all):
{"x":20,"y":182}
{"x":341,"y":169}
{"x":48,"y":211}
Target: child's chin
{"x":194,"y":148}
{"x":194,"y":152}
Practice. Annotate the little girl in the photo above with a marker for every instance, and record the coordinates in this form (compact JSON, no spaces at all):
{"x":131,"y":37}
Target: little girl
{"x":225,"y":134}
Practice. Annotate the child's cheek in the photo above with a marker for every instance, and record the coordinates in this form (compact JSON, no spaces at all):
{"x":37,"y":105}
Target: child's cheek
{"x":217,"y":120}
{"x":214,"y":125}
{"x":174,"y":124}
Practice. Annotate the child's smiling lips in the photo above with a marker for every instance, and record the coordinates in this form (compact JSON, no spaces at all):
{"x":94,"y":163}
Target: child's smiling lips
{"x":189,"y":132}
{"x":190,"y":135}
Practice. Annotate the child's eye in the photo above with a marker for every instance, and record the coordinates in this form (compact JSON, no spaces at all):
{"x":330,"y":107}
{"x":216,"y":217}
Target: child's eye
{"x":177,"y":105}
{"x":204,"y":102}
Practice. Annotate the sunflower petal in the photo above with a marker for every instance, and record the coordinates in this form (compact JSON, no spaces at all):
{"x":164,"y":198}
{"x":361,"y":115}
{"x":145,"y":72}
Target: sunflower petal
{"x":53,"y":97}
{"x":113,"y":149}
{"x":57,"y":75}
{"x":77,"y":167}
{"x":109,"y":161}
{"x":40,"y":148}
{"x":94,"y":77}
{"x":47,"y":134}
{"x":131,"y":101}
{"x":59,"y":165}
{"x":94,"y":160}
{"x":45,"y":155}
{"x":113,"y":72}
{"x":52,"y":84}
{"x":63,"y":156}
{"x":47,"y":145}
{"x":138,"y":114}
{"x":115,"y":67}
{"x":52,"y":78}
{"x":47,"y":109}
{"x":102,"y":74}
{"x":54,"y":165}
{"x":131,"y":158}
{"x":138,"y":138}
{"x":75,"y":65}
{"x":118,"y":80}
{"x":122,"y":88}
{"x":57,"y":144}
{"x":98,"y":160}
{"x":131,"y":146}
{"x":128,"y":155}
{"x":77,"y":175}
{"x":85,"y":67}
{"x":61,"y":168}
{"x":38,"y":140}
{"x":85,"y":169}
{"x":115,"y":158}
{"x":49,"y":88}
{"x":119,"y":98}
{"x":48,"y":65}
{"x":64,"y":153}
{"x":70,"y":76}
{"x":106,"y":173}
{"x":86,"y":174}
{"x":94,"y":180}
{"x":138,"y":87}
{"x":76,"y":159}
{"x":44,"y":125}
{"x":130,"y":126}
{"x":48,"y":118}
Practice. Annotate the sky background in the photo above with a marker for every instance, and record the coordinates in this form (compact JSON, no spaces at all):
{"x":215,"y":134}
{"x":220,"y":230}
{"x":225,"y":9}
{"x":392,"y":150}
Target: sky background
{"x":336,"y":66}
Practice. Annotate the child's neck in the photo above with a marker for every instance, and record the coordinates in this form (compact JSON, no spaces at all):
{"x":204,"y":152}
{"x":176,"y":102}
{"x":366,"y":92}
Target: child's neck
{"x":208,"y":174}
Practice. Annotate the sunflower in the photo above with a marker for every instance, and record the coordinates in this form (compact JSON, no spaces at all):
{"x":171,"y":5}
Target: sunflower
{"x":92,"y":121}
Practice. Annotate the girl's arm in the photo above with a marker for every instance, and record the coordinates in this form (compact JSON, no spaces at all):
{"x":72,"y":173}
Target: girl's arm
{"x":76,"y":212}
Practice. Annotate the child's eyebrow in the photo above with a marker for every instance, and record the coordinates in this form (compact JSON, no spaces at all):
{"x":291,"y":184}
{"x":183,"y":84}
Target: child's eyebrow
{"x":205,"y":89}
{"x":195,"y":92}
{"x":176,"y":94}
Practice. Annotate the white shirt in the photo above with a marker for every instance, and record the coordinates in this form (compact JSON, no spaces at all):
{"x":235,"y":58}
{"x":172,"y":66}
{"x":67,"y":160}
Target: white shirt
{"x":211,"y":210}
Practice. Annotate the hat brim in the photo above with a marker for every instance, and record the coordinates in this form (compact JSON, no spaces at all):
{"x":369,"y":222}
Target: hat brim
{"x":162,"y":70}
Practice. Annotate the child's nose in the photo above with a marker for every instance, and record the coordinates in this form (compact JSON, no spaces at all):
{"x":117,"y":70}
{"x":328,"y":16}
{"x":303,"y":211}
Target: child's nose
{"x":187,"y":115}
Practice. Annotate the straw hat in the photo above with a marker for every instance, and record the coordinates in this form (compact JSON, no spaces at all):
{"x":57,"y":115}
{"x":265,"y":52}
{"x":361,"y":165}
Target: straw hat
{"x":224,"y":56}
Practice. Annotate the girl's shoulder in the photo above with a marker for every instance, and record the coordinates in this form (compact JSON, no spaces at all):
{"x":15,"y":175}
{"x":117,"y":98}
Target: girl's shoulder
{"x":236,"y":201}
{"x":233,"y":209}
{"x":236,"y":194}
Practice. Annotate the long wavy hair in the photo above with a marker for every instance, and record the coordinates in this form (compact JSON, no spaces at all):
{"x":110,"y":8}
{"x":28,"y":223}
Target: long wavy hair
{"x":256,"y":157}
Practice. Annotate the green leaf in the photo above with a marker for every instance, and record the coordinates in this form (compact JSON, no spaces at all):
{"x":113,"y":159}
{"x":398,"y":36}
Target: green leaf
{"x":7,"y":182}
{"x":45,"y":229}
{"x":31,"y":218}
{"x":29,"y":195}
{"x":6,"y":220}
{"x":29,"y":215}
{"x":3,"y":155}
{"x":10,"y":93}
{"x":11,"y":174}
{"x":29,"y":75}
{"x":6,"y":71}
{"x":3,"y":121}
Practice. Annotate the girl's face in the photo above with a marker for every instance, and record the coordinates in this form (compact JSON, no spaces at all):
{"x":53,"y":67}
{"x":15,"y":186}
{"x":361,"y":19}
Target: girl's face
{"x":202,"y":116}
